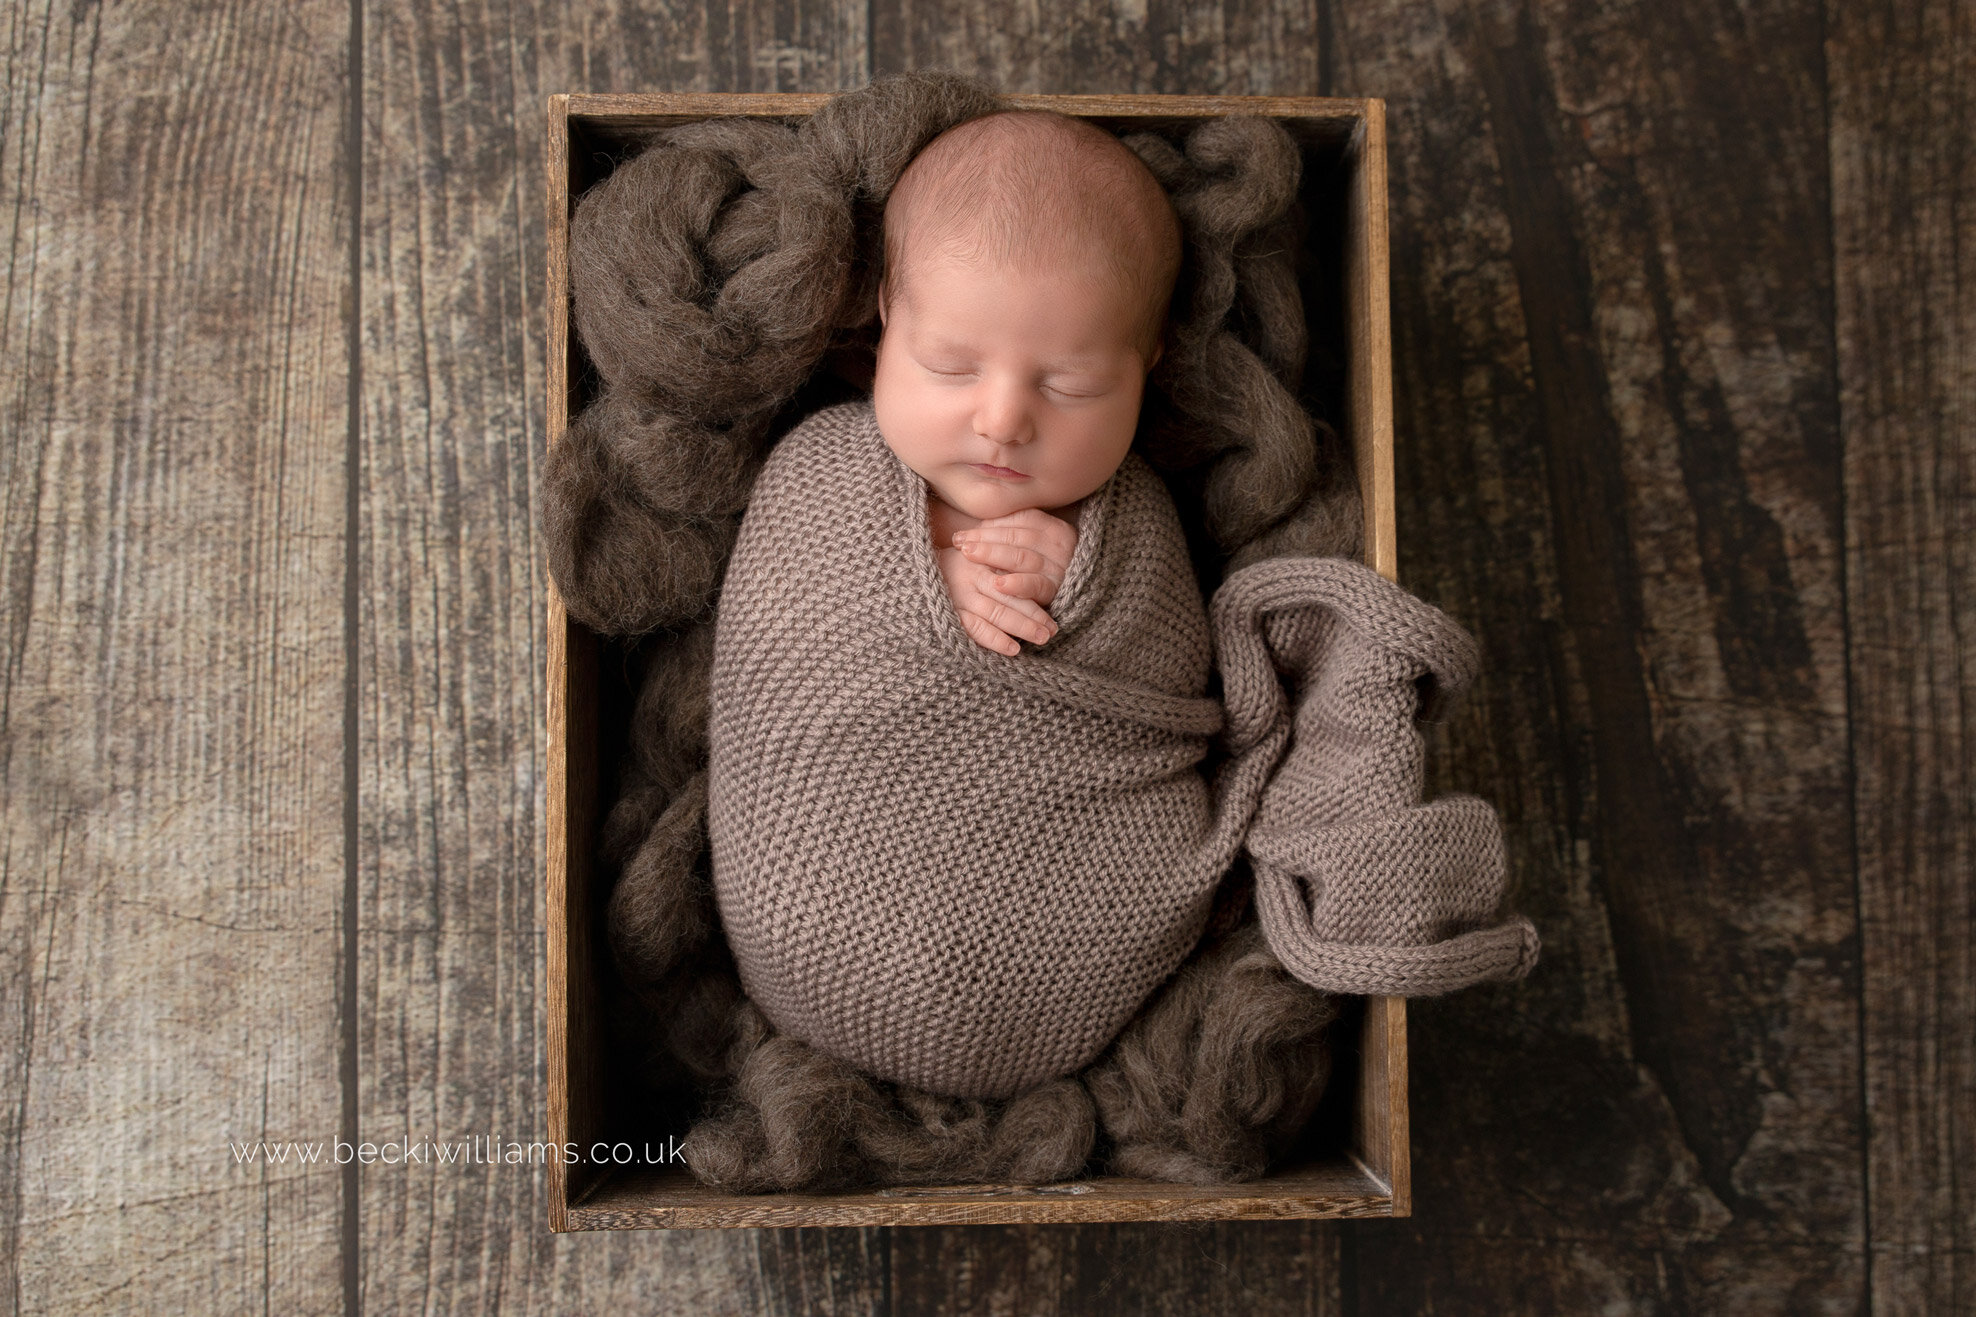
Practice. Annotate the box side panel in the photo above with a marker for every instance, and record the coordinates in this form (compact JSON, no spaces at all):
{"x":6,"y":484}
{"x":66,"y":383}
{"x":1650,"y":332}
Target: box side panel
{"x":572,"y":683}
{"x":1380,"y":1124}
{"x":1370,"y":417}
{"x":556,"y":880}
{"x":633,"y":1199}
{"x":575,"y":1044}
{"x":1313,"y":120}
{"x":1379,"y":1120}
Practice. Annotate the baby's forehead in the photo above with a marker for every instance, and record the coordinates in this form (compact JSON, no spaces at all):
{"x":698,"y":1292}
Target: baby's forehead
{"x":1074,"y":279}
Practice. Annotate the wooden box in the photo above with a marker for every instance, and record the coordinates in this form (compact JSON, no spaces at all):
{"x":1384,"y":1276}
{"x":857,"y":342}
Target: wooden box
{"x":1355,"y":1162}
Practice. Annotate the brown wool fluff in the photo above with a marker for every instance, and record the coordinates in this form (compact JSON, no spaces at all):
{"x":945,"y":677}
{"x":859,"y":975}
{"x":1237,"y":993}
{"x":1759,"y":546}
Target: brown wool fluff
{"x":1218,"y":1073}
{"x":711,"y":275}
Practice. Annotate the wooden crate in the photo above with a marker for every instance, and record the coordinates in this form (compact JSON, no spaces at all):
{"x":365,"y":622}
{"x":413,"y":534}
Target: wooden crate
{"x":1357,"y":1159}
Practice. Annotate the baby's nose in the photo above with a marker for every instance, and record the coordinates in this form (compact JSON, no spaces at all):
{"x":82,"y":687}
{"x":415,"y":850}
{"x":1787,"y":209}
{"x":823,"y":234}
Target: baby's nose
{"x":1001,"y":415}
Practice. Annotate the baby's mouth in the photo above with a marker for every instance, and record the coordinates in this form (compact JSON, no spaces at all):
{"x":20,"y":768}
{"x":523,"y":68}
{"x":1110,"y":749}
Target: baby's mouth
{"x":1005,"y":473}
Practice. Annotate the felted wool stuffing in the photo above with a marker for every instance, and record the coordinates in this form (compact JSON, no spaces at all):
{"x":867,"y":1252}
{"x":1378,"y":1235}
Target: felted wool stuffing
{"x":711,"y":274}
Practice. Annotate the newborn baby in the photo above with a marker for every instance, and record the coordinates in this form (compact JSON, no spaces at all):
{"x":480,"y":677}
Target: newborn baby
{"x":952,"y":862}
{"x":1029,"y":259}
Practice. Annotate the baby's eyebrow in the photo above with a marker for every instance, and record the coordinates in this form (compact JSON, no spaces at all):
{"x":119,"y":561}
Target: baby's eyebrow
{"x":1093,"y":363}
{"x":950,"y":346}
{"x":1093,"y":368}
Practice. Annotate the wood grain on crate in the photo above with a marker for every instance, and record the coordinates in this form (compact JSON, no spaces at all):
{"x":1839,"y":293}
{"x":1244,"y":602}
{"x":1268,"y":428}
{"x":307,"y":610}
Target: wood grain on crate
{"x":1312,"y":120}
{"x":1370,"y":336}
{"x":649,"y":1199}
{"x":574,"y":1075}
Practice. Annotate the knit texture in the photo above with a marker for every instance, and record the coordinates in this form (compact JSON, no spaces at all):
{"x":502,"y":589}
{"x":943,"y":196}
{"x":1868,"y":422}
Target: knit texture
{"x":954,"y":869}
{"x":1360,"y":886}
{"x":965,"y":872}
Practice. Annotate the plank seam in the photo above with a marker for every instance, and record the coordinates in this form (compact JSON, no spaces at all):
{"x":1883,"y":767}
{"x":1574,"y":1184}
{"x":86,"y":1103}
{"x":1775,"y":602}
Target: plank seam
{"x":1846,"y":668}
{"x":352,"y":652}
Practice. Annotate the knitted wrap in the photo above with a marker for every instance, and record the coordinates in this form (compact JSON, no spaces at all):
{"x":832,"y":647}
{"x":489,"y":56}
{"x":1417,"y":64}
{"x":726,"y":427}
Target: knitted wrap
{"x":965,"y":872}
{"x":954,"y":869}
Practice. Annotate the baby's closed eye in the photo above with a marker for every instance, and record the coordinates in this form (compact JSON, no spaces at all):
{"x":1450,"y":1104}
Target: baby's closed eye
{"x":1078,"y":386}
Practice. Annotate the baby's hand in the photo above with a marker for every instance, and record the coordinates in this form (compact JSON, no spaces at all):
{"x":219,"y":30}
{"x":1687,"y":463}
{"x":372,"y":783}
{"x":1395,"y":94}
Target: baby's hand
{"x":1031,"y":550}
{"x":997,"y":606}
{"x":992,"y":617}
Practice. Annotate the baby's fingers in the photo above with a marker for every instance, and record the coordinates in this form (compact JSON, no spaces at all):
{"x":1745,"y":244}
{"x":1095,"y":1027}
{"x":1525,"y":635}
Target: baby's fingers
{"x":1018,"y":548}
{"x":988,"y":636}
{"x":1008,"y":556}
{"x":1013,"y":616}
{"x":1028,"y":585}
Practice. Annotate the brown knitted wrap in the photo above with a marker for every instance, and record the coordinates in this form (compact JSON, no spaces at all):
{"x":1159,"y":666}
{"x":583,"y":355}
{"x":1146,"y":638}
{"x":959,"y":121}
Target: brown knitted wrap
{"x":964,"y":872}
{"x":954,"y":869}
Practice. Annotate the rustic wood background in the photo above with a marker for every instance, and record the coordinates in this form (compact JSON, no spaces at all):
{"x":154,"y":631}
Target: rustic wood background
{"x":1685,"y":318}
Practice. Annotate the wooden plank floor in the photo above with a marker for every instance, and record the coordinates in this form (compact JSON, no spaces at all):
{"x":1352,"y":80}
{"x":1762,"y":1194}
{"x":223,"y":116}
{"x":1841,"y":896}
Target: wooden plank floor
{"x":1685,"y":328}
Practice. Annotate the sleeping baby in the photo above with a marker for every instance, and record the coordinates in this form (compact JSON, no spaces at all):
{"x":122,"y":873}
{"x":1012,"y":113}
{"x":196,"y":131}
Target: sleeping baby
{"x":953,"y":862}
{"x":1029,"y":259}
{"x":961,"y":864}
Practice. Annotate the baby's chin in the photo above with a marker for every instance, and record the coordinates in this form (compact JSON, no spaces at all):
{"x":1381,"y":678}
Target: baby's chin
{"x":984,"y":501}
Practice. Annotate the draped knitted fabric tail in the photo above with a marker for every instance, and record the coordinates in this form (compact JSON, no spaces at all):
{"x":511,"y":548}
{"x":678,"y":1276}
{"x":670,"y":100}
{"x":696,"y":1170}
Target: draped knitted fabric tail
{"x":1360,"y":886}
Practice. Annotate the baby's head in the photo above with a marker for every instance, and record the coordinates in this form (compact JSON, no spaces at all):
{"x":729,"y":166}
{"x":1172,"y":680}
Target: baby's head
{"x":1029,"y":260}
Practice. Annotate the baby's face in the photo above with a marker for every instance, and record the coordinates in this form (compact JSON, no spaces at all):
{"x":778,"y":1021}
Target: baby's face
{"x":1008,"y":389}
